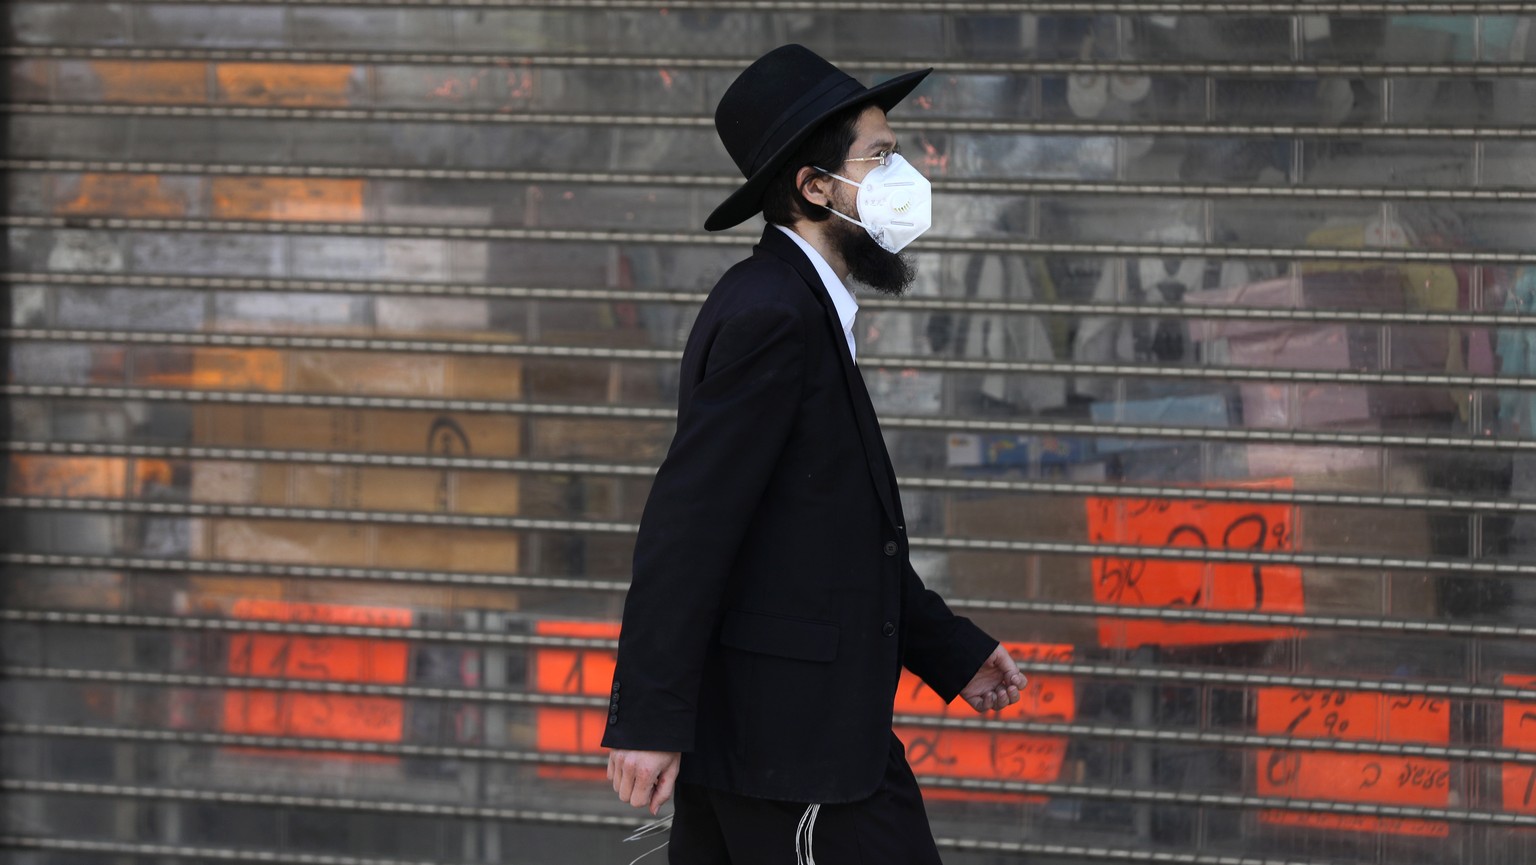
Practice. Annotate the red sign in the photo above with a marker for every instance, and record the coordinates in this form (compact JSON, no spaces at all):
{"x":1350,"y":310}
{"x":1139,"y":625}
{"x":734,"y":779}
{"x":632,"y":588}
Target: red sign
{"x":1357,"y":823}
{"x":988,"y":754}
{"x":1207,"y":525}
{"x":583,"y":672}
{"x":1519,"y":779}
{"x":1369,"y":778}
{"x":327,"y":659}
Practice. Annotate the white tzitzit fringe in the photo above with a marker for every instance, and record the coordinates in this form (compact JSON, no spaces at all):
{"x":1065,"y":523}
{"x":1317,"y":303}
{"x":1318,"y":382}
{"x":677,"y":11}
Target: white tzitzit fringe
{"x":804,"y":835}
{"x":646,"y":831}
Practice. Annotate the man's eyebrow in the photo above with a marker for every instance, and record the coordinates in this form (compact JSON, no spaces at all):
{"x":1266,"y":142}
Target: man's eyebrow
{"x":880,"y":144}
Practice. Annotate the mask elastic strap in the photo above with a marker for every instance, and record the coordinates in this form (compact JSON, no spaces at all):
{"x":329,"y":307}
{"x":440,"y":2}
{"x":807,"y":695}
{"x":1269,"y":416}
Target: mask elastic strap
{"x":838,"y":213}
{"x":853,"y":183}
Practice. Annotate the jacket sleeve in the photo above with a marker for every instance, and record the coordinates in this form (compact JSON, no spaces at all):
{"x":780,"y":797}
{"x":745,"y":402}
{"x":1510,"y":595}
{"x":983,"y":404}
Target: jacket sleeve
{"x":943,"y":649}
{"x":729,"y":438}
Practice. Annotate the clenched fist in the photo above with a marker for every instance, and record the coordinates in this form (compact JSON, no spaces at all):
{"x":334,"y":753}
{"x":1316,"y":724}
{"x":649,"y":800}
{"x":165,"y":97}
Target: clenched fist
{"x":996,"y":685}
{"x":644,"y":778}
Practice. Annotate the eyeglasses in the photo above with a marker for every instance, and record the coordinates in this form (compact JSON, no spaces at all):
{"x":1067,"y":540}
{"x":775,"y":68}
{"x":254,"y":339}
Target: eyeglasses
{"x":881,"y":158}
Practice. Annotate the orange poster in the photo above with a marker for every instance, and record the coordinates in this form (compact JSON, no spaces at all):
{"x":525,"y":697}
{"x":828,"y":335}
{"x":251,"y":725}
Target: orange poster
{"x":584,"y":672}
{"x":1367,"y":778}
{"x":1519,"y":779}
{"x":328,"y":659}
{"x":990,"y":755}
{"x":1175,"y":584}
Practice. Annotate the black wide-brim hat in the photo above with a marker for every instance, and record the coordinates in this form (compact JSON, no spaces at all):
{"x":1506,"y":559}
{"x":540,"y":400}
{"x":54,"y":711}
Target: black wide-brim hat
{"x":774,"y":105}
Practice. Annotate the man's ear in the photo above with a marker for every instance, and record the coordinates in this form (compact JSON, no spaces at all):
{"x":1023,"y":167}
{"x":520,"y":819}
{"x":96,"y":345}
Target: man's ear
{"x":814,"y":185}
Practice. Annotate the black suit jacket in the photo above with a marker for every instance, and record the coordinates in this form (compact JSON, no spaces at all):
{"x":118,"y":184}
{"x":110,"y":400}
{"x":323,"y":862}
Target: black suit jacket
{"x":773,"y":604}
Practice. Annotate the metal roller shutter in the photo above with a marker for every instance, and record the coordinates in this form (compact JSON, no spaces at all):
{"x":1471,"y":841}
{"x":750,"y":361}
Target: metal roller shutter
{"x":341,"y":347}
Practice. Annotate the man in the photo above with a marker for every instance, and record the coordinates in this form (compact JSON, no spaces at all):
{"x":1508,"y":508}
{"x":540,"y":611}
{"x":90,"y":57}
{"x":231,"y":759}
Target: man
{"x":773,"y":604}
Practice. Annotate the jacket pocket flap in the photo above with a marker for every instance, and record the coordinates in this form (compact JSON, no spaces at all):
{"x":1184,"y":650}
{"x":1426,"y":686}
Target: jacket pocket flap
{"x":785,"y":636}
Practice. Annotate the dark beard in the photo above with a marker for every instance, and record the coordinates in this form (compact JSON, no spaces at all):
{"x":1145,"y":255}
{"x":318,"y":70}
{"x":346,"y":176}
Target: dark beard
{"x":868,"y":262}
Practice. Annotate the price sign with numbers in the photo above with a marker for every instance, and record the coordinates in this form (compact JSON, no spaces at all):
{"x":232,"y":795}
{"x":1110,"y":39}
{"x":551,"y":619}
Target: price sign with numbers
{"x":584,"y":672}
{"x":987,"y":754}
{"x":1519,"y":779}
{"x":329,"y":659}
{"x":1338,"y":777}
{"x":1207,"y":525}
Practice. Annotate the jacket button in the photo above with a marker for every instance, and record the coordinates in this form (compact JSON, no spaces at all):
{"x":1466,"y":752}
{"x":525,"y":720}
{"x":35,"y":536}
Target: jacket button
{"x":613,"y":718}
{"x":615,"y":687}
{"x":890,"y":548}
{"x":889,"y":629}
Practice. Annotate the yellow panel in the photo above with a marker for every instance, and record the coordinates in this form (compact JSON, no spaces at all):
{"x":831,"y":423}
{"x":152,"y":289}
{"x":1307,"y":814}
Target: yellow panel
{"x":371,"y":489}
{"x":480,"y":435}
{"x":277,"y":427}
{"x":288,"y":198}
{"x":403,"y":432}
{"x":475,"y":550}
{"x":486,"y":493}
{"x":152,"y":81}
{"x":293,"y":84}
{"x":213,"y":369}
{"x":72,"y":477}
{"x":291,"y":542}
{"x":359,"y":373}
{"x":124,"y":195}
{"x":486,"y":377}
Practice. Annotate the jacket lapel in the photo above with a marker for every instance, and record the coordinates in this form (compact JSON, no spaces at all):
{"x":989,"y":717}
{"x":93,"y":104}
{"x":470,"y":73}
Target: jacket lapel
{"x":777,"y":244}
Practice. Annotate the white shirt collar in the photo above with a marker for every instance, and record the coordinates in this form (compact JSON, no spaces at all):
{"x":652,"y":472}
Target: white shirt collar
{"x":842,"y":298}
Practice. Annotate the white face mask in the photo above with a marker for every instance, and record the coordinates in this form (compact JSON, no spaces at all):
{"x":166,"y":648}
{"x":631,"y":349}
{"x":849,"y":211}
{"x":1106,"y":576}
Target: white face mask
{"x":895,"y":201}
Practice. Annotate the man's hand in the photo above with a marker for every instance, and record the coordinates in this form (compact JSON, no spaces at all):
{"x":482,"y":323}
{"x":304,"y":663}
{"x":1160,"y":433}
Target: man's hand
{"x":646,"y":778}
{"x":996,"y":684}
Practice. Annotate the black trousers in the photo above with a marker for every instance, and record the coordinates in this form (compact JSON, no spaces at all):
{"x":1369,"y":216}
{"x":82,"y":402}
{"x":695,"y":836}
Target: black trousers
{"x":711,"y":827}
